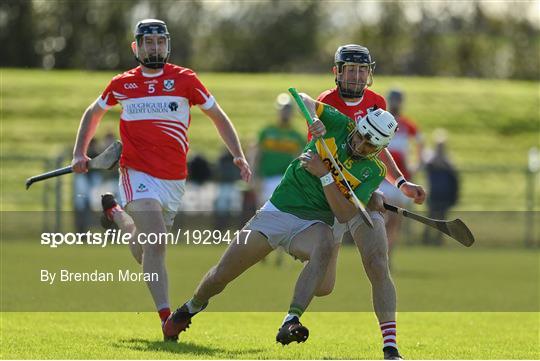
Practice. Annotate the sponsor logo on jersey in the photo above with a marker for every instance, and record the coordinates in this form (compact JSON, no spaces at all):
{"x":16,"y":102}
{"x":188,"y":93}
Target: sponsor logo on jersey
{"x":130,"y":86}
{"x":168,"y":85}
{"x":141,"y":188}
{"x":148,"y":107}
{"x":173,"y":106}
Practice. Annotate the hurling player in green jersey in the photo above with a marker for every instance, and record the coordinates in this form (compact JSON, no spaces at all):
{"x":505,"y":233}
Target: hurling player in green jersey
{"x":299,"y":215}
{"x":372,"y":137}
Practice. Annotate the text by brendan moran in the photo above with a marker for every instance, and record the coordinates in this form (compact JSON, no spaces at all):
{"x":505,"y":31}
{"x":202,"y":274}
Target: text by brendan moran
{"x":125,"y":275}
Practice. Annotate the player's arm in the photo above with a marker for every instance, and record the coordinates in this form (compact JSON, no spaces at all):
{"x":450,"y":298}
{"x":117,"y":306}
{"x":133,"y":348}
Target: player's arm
{"x":342,"y":208}
{"x":230,"y":138}
{"x":316,"y":128}
{"x":325,"y":117}
{"x":87,"y":128}
{"x":394,"y":176}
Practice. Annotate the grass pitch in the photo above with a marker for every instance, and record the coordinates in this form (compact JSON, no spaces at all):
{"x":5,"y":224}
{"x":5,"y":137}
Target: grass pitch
{"x":234,"y":335}
{"x":468,"y":282}
{"x":491,"y":124}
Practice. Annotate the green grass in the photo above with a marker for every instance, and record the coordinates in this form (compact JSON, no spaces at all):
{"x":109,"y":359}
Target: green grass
{"x":213,"y":335}
{"x":453,"y":302}
{"x":452,"y":278}
{"x":491,"y":124}
{"x":450,"y":298}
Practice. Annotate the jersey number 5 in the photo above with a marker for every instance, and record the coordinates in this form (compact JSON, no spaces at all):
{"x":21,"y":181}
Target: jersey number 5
{"x":151,"y":88}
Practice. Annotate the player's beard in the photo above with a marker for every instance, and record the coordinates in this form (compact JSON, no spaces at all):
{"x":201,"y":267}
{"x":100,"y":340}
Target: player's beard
{"x":155,"y":60}
{"x":349,"y":88}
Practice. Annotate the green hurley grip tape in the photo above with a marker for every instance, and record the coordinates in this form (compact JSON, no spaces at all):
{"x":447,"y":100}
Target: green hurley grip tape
{"x":301,"y":104}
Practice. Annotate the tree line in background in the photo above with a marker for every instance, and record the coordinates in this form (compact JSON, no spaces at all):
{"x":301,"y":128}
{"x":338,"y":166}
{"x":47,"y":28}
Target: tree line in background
{"x":277,"y":35}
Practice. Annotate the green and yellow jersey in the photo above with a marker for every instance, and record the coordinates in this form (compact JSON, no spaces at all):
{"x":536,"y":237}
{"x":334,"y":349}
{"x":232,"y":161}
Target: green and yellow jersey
{"x":278,"y":146}
{"x":300,"y":193}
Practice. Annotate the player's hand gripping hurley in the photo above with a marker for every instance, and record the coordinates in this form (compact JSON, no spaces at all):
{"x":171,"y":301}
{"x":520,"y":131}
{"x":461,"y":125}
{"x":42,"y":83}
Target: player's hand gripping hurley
{"x":106,"y":160}
{"x":361,"y":208}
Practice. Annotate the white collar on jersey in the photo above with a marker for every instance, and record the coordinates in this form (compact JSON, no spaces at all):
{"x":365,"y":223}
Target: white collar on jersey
{"x":352,"y":104}
{"x":152,"y":75}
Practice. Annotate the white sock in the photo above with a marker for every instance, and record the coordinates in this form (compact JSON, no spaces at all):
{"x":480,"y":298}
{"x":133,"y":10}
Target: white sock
{"x":289,"y":317}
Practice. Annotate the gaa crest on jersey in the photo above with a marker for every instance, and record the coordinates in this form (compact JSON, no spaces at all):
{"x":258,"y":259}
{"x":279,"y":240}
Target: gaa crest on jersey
{"x":168,"y":85}
{"x":364,"y":174}
{"x":358,"y":115}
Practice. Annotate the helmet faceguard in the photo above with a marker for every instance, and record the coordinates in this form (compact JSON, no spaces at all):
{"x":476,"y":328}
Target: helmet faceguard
{"x":351,"y":61}
{"x":152,"y":43}
{"x":377,"y":128}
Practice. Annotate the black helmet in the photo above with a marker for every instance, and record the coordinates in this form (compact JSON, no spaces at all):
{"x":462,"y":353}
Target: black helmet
{"x":353,"y":54}
{"x":152,"y":27}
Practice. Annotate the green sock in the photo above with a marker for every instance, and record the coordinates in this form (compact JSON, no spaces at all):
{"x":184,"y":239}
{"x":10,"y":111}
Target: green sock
{"x":194,"y":305}
{"x":296,"y":309}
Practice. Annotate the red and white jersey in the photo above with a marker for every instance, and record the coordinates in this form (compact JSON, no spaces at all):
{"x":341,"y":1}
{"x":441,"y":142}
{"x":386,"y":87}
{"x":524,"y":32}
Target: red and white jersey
{"x":155,"y":117}
{"x":354,"y":110}
{"x":400,"y":145}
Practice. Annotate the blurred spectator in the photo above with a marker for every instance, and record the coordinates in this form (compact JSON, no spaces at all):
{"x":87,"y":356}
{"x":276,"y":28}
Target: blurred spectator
{"x":400,"y":149}
{"x":226,"y":175}
{"x":443,"y":186}
{"x":199,"y":169}
{"x":277,"y":146}
{"x":83,"y":186}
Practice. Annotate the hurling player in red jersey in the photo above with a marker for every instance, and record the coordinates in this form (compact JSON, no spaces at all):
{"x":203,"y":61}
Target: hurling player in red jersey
{"x":156,"y":98}
{"x":353,"y":72}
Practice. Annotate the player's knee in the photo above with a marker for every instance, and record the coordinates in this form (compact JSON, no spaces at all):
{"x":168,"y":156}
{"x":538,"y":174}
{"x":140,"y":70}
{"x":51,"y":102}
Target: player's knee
{"x":323,"y":251}
{"x":377,"y":266}
{"x":154,"y":251}
{"x":325,"y":242}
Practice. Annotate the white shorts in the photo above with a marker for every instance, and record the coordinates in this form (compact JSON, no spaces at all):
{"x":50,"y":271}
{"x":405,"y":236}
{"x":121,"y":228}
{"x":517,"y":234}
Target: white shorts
{"x":135,"y":185}
{"x":278,"y":227}
{"x":393,"y":195}
{"x":339,"y":229}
